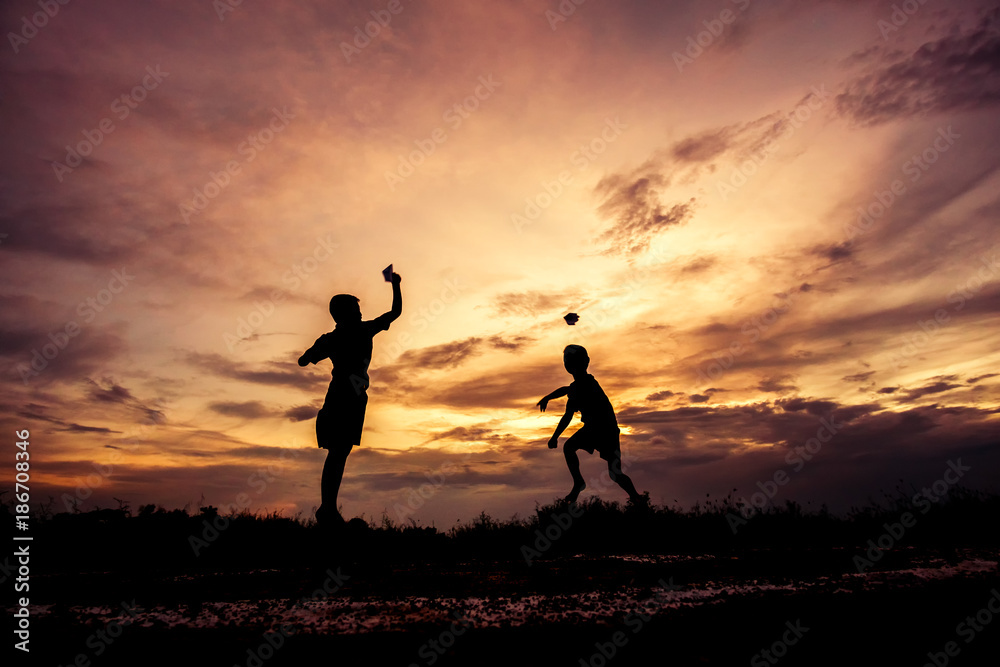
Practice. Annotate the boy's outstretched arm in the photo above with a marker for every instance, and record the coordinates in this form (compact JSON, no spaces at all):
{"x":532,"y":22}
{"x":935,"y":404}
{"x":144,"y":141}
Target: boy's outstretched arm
{"x":558,"y":393}
{"x":563,"y":423}
{"x":309,"y":357}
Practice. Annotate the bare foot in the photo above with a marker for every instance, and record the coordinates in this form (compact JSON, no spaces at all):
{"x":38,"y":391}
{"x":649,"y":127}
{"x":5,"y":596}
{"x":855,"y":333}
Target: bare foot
{"x":575,"y":493}
{"x":329,"y":518}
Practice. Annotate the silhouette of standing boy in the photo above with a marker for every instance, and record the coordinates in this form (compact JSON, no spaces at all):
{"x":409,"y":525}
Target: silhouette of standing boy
{"x":600,"y":426}
{"x":342,"y":417}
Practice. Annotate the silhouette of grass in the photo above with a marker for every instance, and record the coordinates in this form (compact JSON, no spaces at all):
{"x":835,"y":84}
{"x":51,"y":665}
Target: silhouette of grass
{"x":157,"y":537}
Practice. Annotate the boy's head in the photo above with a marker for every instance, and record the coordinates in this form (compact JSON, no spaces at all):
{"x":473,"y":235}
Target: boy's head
{"x":575,"y":359}
{"x":345,"y":309}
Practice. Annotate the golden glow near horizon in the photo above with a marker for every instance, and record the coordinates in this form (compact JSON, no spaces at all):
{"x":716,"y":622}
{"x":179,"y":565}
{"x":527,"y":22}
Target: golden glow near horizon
{"x":754,"y":241}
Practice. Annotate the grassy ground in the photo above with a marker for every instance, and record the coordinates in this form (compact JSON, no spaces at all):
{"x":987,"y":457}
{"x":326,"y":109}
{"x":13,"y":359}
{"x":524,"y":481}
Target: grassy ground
{"x":567,"y":585}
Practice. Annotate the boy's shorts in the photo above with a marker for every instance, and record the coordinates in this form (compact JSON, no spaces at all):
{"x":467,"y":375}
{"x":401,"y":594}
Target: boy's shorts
{"x":607,"y":441}
{"x":339,"y":423}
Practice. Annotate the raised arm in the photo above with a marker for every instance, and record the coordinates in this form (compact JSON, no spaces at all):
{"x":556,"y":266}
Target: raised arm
{"x":558,"y":393}
{"x":397,"y":298}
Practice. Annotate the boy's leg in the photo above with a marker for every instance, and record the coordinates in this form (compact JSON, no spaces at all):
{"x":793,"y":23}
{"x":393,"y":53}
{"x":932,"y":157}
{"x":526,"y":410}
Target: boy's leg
{"x":620,"y":478}
{"x":338,"y":430}
{"x":573,"y":462}
{"x":333,"y":474}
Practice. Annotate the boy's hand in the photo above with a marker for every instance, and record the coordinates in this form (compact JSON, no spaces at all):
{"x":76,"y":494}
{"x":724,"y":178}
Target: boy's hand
{"x":553,"y":442}
{"x":543,"y":403}
{"x":396,"y":279}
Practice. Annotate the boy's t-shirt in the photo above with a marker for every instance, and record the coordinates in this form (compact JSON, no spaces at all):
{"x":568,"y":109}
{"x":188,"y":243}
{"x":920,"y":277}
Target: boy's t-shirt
{"x":586,"y":397}
{"x":349,"y":347}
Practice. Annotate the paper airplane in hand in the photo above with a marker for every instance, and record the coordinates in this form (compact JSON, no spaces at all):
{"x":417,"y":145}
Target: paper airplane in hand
{"x":387,"y":273}
{"x":572,"y":319}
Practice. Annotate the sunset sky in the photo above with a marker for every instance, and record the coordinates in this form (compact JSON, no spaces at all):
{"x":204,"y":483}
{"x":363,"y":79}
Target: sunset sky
{"x":770,"y":216}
